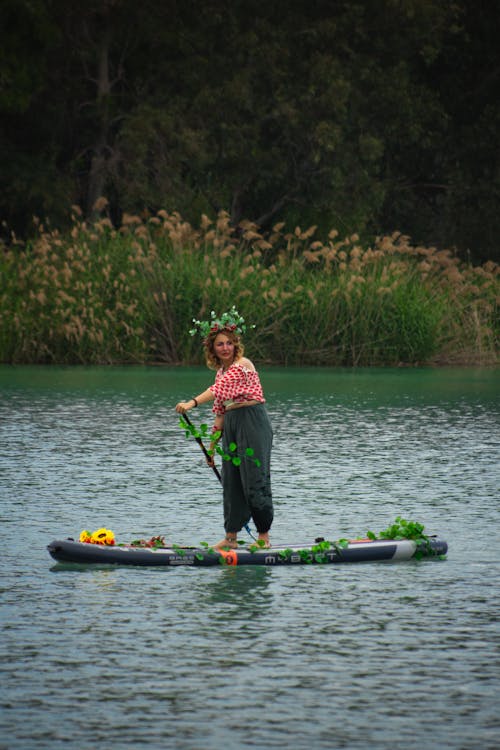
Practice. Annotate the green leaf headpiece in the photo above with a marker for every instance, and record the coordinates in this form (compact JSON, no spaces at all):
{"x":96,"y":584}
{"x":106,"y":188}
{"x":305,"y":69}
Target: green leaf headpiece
{"x":228,"y":321}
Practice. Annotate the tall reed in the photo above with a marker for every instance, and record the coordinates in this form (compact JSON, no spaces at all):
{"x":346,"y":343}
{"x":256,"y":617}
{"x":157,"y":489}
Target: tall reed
{"x":102,"y":294}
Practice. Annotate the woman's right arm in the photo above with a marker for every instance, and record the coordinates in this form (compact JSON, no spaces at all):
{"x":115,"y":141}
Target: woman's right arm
{"x":203,"y":398}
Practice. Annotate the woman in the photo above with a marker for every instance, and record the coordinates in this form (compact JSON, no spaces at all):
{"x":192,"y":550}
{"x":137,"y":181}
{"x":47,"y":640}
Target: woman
{"x":241,"y":418}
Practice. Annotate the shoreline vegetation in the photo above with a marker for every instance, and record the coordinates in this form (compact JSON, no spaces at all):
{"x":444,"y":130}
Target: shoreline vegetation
{"x":101,"y":294}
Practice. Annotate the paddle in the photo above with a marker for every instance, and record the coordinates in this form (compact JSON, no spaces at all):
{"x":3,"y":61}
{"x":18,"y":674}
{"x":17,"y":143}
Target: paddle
{"x":200,"y":443}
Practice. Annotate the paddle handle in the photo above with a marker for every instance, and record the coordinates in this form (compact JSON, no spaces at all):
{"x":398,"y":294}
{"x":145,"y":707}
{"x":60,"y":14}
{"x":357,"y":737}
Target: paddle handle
{"x":207,"y":454}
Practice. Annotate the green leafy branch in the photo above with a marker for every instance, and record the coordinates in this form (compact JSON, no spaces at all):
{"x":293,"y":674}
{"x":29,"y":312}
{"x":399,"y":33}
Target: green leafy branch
{"x":317,"y":553}
{"x":403,"y":529}
{"x":398,"y":530}
{"x":202,"y":433}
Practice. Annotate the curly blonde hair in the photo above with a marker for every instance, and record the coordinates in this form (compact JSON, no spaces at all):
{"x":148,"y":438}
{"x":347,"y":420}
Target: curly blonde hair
{"x":212,"y":360}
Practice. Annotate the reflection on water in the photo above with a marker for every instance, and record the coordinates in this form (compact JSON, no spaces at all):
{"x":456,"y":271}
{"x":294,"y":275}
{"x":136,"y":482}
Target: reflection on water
{"x":334,"y":656}
{"x":244,"y":591}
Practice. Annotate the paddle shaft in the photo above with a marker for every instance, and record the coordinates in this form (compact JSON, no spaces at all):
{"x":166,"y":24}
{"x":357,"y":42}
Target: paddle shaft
{"x":207,"y":454}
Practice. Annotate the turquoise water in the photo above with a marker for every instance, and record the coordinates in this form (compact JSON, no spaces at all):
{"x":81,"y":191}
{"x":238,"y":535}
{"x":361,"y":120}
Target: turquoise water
{"x":327,"y":657}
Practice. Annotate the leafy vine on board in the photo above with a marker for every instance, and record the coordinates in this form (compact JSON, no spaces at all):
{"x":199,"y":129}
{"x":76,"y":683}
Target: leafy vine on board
{"x":400,"y":529}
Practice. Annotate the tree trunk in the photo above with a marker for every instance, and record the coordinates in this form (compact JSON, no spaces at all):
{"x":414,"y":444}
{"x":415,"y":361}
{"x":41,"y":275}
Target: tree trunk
{"x":101,"y":150}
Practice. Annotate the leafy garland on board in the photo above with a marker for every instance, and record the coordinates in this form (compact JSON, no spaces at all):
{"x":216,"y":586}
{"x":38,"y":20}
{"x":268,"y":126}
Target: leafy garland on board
{"x":400,"y":529}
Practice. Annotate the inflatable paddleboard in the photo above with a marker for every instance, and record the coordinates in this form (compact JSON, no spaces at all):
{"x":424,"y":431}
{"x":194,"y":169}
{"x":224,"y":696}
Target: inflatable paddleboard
{"x":318,"y":553}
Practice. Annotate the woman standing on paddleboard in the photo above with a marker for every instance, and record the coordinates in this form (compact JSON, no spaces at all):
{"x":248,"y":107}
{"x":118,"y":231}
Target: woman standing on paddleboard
{"x":240,"y":418}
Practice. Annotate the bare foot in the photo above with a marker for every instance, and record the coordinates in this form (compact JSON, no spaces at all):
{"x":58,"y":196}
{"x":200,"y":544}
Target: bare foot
{"x":229,"y":542}
{"x":263,"y":540}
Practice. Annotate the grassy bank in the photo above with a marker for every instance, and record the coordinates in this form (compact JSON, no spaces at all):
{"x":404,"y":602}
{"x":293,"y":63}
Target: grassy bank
{"x":106,"y":295}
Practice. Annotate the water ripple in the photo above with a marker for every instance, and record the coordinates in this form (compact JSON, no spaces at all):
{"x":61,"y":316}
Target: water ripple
{"x":348,"y":656}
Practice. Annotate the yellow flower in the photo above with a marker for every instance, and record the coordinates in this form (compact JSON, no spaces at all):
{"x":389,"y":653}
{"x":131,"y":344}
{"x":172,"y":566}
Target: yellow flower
{"x":103,"y":536}
{"x":85,"y":536}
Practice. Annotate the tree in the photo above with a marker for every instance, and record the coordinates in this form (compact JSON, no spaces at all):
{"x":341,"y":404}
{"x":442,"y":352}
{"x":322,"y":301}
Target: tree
{"x":367,"y":116}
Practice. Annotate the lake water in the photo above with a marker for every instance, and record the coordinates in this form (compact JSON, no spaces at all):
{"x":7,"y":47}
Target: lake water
{"x":354,"y":656}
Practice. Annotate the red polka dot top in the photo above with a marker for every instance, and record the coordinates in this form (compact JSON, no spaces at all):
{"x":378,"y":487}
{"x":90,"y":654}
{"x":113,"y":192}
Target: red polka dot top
{"x":236,"y":384}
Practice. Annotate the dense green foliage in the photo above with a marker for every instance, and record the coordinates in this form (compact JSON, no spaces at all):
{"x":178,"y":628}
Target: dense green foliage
{"x":370,"y":116}
{"x":101,"y":294}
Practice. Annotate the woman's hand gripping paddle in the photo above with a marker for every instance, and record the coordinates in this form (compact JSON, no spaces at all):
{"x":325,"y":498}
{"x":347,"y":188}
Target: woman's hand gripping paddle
{"x":202,"y":446}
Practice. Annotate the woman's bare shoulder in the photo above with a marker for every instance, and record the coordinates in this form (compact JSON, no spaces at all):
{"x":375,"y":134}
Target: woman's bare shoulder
{"x":245,"y":362}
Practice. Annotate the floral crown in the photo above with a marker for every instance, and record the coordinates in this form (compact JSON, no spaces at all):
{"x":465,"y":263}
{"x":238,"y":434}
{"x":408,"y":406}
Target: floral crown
{"x":228,"y":321}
